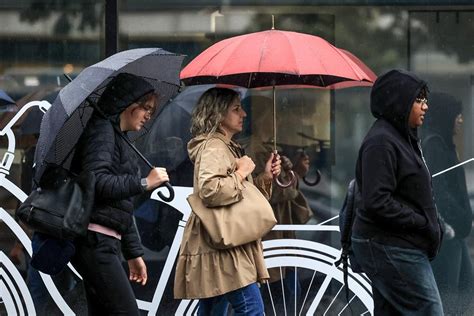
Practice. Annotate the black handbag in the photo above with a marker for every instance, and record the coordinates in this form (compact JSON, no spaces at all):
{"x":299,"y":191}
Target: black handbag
{"x":61,"y":205}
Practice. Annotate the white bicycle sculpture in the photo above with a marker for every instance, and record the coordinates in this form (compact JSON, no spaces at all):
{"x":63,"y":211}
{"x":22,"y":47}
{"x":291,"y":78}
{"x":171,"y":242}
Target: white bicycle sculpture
{"x":323,"y":294}
{"x":13,"y":290}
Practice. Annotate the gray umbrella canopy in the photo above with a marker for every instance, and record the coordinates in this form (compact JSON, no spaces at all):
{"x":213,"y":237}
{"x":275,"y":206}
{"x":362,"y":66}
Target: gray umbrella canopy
{"x":65,"y":121}
{"x":32,"y":122}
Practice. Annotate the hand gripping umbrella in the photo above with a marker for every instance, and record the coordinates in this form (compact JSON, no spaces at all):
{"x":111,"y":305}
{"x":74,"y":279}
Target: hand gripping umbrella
{"x":65,"y":121}
{"x":277,"y":58}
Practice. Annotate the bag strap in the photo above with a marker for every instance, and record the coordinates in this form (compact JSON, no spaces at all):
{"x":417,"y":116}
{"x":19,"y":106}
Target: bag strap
{"x":346,"y":231}
{"x":233,"y":149}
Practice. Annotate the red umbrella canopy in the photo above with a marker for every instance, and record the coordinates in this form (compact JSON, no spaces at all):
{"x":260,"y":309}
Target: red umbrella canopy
{"x":273,"y":58}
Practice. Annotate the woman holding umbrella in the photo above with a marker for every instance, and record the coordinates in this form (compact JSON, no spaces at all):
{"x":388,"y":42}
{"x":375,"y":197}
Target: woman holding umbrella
{"x":219,"y":275}
{"x":127,"y":103}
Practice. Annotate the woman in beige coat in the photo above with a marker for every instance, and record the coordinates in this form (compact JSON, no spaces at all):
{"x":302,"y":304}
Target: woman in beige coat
{"x":203,"y":272}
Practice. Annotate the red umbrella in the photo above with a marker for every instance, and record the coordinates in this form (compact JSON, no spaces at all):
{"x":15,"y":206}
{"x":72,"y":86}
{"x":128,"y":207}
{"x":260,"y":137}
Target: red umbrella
{"x":275,"y":58}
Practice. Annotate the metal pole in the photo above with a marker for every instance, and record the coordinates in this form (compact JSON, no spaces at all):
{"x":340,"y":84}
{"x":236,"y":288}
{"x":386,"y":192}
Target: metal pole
{"x":111,"y":27}
{"x":453,"y":167}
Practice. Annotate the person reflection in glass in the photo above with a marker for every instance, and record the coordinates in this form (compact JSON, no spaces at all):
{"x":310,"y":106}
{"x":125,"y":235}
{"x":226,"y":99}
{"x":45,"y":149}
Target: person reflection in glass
{"x":452,"y":267}
{"x":289,"y":204}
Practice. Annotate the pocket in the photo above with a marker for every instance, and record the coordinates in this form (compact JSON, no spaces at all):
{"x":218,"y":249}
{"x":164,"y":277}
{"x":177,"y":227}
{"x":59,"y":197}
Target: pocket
{"x":402,"y":264}
{"x":433,"y":226}
{"x":364,"y":254}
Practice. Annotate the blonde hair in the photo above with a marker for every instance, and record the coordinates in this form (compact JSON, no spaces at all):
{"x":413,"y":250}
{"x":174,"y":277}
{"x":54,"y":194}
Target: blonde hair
{"x":211,"y":109}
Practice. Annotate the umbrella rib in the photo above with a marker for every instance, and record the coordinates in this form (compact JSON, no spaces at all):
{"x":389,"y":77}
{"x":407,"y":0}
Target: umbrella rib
{"x":116,"y":72}
{"x":214,"y":56}
{"x":347,"y":60}
{"x":163,"y":81}
{"x":319,"y":58}
{"x":243,"y":37}
{"x":261,"y":53}
{"x":292,"y":50}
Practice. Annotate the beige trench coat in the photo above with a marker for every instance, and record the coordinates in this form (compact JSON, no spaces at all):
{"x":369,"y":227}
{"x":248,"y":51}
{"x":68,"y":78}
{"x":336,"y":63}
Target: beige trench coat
{"x":203,"y":271}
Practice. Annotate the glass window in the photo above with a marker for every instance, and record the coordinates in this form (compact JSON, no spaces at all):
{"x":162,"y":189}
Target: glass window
{"x":40,"y":41}
{"x":318,"y":131}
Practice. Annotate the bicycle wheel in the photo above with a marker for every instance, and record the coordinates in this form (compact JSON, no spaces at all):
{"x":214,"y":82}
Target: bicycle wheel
{"x":309,"y":283}
{"x":322,"y":289}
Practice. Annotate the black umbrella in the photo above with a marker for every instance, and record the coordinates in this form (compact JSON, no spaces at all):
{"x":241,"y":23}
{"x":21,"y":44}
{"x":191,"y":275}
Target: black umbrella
{"x":32,"y":121}
{"x":6,"y":102}
{"x":64,"y":123}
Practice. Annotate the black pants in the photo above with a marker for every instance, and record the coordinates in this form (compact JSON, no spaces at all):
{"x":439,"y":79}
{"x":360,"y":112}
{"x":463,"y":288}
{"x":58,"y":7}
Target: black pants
{"x":106,"y":283}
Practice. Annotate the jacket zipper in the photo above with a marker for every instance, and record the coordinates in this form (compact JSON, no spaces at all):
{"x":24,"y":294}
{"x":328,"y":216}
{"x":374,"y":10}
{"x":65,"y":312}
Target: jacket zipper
{"x":431,"y":188}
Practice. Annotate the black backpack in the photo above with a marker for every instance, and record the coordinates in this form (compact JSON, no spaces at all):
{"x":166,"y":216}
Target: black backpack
{"x":347,"y":215}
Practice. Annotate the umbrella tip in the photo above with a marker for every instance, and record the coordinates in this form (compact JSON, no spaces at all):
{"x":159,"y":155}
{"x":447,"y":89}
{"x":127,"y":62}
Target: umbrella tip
{"x":273,"y":22}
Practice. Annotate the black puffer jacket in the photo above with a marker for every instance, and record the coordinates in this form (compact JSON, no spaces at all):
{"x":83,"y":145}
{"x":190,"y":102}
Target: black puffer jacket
{"x":105,"y":153}
{"x":398,"y":207}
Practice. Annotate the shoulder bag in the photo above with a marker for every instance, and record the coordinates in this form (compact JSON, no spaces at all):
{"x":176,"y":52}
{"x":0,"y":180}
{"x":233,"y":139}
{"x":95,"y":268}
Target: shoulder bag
{"x":236,"y":224}
{"x":61,"y":206}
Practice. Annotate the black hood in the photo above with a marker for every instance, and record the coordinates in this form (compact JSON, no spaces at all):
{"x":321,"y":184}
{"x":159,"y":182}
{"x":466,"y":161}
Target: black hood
{"x":443,"y":109}
{"x":392,"y":97}
{"x":121,"y":91}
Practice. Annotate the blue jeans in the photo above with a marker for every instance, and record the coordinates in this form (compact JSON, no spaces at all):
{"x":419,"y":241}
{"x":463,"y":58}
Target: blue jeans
{"x":402,"y":279}
{"x":245,"y":301}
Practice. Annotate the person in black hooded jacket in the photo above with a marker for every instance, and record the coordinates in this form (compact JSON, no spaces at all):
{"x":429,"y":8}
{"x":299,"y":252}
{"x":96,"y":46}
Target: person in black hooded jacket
{"x":127,"y":102}
{"x":396,"y":230}
{"x":452,"y":267}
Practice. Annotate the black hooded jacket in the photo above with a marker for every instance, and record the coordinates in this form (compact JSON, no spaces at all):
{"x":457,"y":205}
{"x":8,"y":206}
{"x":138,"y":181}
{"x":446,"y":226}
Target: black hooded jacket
{"x":450,"y":189}
{"x":102,"y":151}
{"x":397,"y":202}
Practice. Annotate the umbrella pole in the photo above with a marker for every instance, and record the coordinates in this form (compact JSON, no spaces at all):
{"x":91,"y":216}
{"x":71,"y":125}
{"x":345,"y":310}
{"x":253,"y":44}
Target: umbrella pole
{"x":274,"y":121}
{"x":275,"y":151}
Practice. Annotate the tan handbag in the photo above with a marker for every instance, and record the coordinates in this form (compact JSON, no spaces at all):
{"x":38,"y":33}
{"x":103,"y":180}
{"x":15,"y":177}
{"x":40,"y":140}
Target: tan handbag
{"x":237,"y":224}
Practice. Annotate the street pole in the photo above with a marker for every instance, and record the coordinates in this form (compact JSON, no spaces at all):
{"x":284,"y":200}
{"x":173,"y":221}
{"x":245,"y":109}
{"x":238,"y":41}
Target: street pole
{"x":111,"y":27}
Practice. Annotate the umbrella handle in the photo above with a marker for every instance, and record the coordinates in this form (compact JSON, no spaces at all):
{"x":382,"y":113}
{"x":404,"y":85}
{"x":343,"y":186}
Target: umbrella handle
{"x":290,"y":182}
{"x":315,"y":182}
{"x":291,"y":173}
{"x":170,"y":190}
